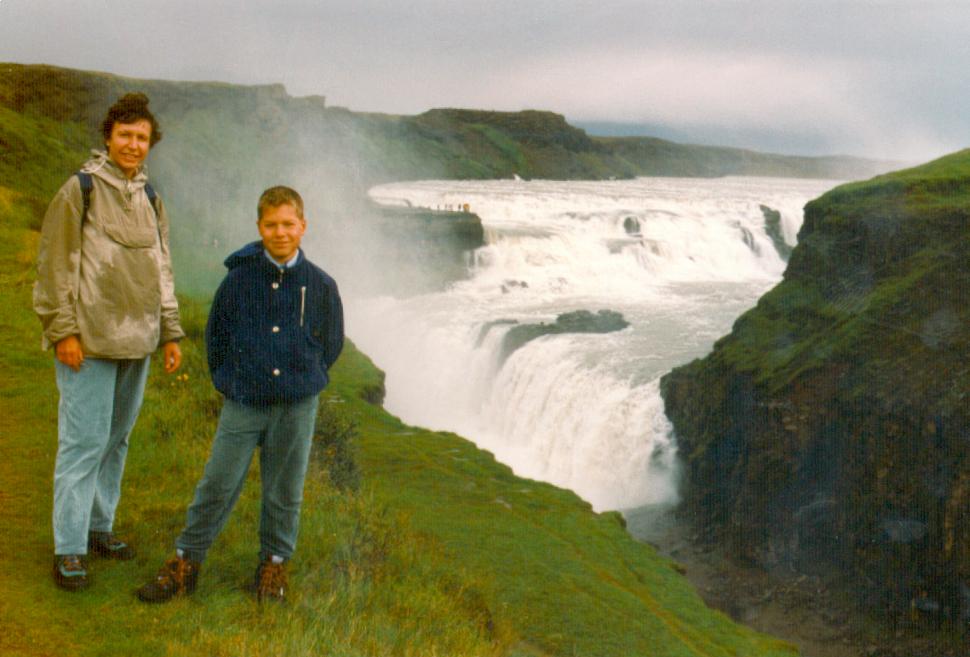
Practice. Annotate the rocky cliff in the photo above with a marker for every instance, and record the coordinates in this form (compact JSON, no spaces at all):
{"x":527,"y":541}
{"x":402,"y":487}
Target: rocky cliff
{"x":421,"y":249}
{"x":830,"y":430}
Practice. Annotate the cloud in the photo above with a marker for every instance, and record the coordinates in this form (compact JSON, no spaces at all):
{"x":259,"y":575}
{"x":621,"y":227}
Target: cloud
{"x":683,"y":87}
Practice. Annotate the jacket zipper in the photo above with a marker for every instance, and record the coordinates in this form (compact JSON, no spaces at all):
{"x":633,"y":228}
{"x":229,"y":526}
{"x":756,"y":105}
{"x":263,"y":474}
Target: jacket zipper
{"x":302,"y":302}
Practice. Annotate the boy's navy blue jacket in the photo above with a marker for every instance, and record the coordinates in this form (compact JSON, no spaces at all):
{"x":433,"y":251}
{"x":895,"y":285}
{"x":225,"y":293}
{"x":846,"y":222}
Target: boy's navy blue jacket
{"x":273,"y":332}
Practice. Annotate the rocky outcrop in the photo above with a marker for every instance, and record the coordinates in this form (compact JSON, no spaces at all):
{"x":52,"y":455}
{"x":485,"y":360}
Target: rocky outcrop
{"x":422,"y":249}
{"x":830,"y":431}
{"x":531,"y":127}
{"x":773,"y":231}
{"x":577,"y":321}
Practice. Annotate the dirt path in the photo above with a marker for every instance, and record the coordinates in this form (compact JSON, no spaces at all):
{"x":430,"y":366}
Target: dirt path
{"x":817,"y":616}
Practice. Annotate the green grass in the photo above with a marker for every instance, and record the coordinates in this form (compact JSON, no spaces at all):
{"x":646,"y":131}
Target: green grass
{"x":38,"y":153}
{"x":870,"y":270}
{"x":442,"y":551}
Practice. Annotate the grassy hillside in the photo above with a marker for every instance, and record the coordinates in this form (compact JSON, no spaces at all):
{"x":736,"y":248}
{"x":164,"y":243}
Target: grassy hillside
{"x":441,"y":551}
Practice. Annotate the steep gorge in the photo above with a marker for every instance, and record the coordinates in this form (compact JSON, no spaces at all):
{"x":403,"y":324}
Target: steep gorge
{"x":830,"y":430}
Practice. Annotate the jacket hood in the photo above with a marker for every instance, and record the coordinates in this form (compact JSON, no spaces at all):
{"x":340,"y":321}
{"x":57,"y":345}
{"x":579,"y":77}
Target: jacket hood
{"x":247,"y":253}
{"x":244,"y":255}
{"x":104,"y":167}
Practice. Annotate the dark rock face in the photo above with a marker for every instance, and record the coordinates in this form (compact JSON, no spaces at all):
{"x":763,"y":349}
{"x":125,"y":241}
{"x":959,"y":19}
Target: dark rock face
{"x":773,"y":230}
{"x":831,"y":429}
{"x":631,"y":226}
{"x":579,"y":321}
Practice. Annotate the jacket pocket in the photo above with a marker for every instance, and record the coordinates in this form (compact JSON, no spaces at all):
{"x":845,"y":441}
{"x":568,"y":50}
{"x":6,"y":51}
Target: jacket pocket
{"x":133,"y":235}
{"x":135,"y":227}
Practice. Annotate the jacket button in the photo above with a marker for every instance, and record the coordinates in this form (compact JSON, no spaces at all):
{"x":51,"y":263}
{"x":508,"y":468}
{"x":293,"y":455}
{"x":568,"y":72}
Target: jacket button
{"x":276,"y":285}
{"x":276,"y":329}
{"x":276,"y":372}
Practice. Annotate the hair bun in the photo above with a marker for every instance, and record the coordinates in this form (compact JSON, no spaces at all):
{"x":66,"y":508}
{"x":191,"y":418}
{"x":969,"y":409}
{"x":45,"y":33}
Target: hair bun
{"x":131,"y":107}
{"x":134,"y":99}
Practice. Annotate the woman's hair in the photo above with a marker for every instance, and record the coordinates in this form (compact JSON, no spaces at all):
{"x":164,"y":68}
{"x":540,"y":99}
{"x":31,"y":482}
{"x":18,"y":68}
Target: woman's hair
{"x":277,"y":196}
{"x":131,"y":108}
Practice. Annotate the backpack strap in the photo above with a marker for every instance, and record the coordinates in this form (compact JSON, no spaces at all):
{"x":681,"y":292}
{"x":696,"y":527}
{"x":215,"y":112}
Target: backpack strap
{"x":87,"y":184}
{"x":152,"y":197}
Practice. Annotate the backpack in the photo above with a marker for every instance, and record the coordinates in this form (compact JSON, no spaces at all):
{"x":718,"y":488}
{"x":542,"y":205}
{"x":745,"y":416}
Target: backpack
{"x":87,"y":185}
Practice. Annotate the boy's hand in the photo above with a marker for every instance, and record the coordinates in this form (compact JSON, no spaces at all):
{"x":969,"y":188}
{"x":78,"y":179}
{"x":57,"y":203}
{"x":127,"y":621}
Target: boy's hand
{"x":173,"y":356}
{"x":69,"y":352}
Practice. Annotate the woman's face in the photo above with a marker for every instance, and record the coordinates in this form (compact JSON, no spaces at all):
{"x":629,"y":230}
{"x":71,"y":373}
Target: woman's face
{"x":129,"y":144}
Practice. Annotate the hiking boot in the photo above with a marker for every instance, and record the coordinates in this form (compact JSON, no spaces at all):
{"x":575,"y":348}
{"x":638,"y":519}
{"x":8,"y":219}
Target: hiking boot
{"x":176,"y":577}
{"x":271,"y":581}
{"x":106,"y":544}
{"x":70,"y":572}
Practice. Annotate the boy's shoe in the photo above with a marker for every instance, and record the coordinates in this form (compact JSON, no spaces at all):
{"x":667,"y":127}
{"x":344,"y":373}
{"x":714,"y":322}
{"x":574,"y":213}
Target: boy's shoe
{"x":271,"y":581}
{"x":70,"y":572}
{"x":106,"y":544}
{"x":176,"y":577}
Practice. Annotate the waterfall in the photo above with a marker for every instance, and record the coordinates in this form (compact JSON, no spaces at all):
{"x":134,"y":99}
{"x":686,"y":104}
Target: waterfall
{"x":679,"y":258}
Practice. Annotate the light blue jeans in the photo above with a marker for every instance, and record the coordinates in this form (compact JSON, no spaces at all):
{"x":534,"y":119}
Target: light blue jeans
{"x":283,"y":433}
{"x":97,"y":410}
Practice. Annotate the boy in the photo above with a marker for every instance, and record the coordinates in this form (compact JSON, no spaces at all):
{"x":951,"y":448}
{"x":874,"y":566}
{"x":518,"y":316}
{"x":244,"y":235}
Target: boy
{"x":274,"y":330}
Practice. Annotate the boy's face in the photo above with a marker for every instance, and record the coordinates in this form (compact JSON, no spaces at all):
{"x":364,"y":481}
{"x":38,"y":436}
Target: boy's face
{"x":129,"y":144}
{"x":281,"y":229}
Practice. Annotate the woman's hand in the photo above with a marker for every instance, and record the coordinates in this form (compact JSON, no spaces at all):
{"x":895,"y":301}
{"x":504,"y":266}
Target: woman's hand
{"x":173,"y":356}
{"x":69,"y":352}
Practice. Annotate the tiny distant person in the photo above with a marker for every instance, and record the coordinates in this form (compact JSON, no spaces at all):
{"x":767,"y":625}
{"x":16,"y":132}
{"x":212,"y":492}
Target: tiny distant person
{"x":105,"y":297}
{"x":274,"y":331}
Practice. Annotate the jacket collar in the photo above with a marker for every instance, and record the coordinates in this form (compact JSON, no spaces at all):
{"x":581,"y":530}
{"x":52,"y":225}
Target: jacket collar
{"x":289,"y":264}
{"x":255,"y":254}
{"x":107,"y":170}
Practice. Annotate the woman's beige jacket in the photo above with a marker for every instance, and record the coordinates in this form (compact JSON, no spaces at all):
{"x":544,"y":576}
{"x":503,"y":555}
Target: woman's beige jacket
{"x":106,"y":278}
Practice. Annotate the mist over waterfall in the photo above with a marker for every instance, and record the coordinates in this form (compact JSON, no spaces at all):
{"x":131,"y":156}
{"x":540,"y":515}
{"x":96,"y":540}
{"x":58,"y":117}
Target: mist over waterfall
{"x":679,"y":258}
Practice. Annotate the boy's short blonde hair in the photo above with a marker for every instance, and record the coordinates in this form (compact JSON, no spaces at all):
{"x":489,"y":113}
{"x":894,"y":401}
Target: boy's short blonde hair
{"x":274,"y":197}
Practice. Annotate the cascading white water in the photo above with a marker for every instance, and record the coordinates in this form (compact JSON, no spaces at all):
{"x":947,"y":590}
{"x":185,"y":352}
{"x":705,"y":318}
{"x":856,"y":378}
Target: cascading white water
{"x":679,"y":258}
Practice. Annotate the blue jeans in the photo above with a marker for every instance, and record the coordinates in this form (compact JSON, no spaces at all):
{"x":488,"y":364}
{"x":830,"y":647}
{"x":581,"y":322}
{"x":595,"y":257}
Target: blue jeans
{"x":283,"y":433}
{"x":97,"y":410}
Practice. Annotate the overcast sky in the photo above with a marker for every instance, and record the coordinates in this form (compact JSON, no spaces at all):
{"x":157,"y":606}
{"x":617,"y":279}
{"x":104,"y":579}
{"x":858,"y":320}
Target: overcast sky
{"x":873,"y":78}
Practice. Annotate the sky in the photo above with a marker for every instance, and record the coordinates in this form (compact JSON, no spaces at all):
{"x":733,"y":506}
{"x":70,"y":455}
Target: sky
{"x":877,"y":79}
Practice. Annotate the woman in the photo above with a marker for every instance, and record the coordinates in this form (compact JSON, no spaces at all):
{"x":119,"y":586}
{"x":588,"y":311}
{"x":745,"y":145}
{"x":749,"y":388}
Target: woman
{"x":105,"y":297}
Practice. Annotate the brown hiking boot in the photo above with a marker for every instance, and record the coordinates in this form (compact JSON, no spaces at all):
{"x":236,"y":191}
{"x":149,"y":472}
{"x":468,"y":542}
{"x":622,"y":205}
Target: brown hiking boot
{"x":70,"y":572}
{"x":106,"y":544}
{"x":271,"y":581}
{"x":176,"y":577}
